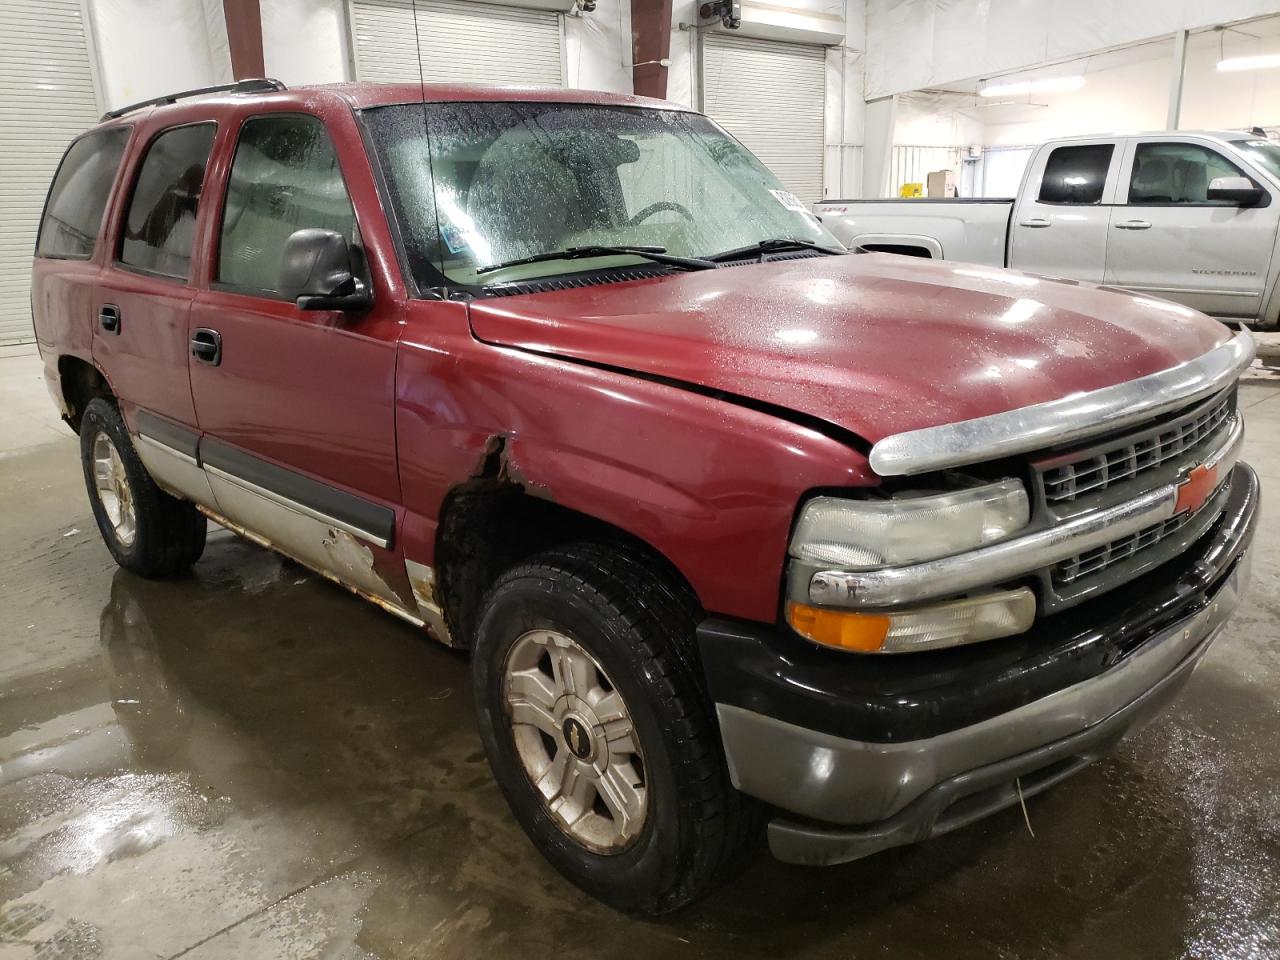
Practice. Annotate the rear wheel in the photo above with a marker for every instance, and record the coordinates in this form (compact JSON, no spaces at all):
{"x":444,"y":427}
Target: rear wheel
{"x":595,"y":721}
{"x":147,"y":531}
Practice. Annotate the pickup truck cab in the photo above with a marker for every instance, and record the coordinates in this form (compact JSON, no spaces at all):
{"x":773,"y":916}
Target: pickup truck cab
{"x":732,"y":525}
{"x":1192,"y":217}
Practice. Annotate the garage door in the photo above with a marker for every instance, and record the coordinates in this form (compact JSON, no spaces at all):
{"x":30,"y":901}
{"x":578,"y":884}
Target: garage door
{"x":46,"y":99}
{"x":462,"y":42}
{"x":772,"y":97}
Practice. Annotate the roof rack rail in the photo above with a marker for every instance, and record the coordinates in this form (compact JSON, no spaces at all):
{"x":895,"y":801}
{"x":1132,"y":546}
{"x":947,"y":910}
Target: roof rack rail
{"x":265,"y":85}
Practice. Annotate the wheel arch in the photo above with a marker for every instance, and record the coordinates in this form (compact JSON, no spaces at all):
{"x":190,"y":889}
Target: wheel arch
{"x":498,"y":519}
{"x":489,"y":524}
{"x":911,"y":245}
{"x":80,"y":381}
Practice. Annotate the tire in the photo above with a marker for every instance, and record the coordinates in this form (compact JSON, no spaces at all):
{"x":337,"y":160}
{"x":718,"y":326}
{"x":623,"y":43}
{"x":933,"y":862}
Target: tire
{"x":636,"y":624}
{"x":146,"y":530}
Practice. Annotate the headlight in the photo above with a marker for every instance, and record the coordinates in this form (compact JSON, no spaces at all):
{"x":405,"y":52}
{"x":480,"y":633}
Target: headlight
{"x":867,"y":534}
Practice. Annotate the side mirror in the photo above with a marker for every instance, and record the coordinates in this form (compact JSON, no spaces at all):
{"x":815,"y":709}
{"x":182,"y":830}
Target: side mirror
{"x":317,"y":272}
{"x":1240,"y":191}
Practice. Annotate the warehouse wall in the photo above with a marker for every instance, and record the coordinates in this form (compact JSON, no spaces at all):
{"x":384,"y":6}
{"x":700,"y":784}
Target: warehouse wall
{"x":1122,"y":100}
{"x":837,"y":24}
{"x":1240,"y":100}
{"x":150,"y":47}
{"x":305,"y":41}
{"x":914,"y":44}
{"x":927,"y":120}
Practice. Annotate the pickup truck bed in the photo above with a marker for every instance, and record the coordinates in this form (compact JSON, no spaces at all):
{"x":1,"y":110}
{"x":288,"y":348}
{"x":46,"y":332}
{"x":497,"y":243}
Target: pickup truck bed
{"x":974,"y":229}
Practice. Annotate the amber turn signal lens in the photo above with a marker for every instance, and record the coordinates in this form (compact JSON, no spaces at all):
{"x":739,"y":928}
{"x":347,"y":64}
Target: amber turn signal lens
{"x":839,"y":628}
{"x":901,"y":630}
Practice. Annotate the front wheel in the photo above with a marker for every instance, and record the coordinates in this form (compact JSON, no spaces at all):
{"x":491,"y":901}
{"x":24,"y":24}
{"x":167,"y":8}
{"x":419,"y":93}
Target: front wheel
{"x":147,"y":531}
{"x":598,"y":730}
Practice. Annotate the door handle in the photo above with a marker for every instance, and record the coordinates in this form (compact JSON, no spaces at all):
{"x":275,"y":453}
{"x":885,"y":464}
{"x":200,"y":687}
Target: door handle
{"x":109,"y":318}
{"x":1035,"y":222}
{"x":1134,"y":225}
{"x":206,"y":346}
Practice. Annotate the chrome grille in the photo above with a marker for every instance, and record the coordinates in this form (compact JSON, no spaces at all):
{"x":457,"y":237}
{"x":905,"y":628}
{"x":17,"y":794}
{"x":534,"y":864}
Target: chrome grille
{"x":1099,"y":558}
{"x":1129,"y":457}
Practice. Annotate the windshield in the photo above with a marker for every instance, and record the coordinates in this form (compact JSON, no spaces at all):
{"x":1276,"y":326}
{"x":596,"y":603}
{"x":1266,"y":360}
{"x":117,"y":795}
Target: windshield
{"x":501,"y":181}
{"x":1265,"y":153}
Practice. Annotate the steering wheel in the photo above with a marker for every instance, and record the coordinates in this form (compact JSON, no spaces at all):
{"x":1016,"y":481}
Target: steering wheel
{"x":658,"y":207}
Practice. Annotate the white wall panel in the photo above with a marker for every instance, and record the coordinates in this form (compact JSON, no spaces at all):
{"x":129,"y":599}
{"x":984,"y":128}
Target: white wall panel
{"x":1002,"y":170}
{"x":305,"y":41}
{"x":913,"y":44}
{"x":47,"y":98}
{"x":151,"y":47}
{"x":598,"y":47}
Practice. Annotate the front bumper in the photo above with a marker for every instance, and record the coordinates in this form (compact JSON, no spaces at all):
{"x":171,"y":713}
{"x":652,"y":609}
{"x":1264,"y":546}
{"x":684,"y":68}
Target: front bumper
{"x":878,"y":752}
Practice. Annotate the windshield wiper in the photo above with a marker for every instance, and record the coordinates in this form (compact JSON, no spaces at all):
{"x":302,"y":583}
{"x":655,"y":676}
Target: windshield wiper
{"x":774,"y":245}
{"x":656,"y":254}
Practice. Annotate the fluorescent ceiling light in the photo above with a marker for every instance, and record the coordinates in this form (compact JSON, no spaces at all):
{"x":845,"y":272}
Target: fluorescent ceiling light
{"x":1047,"y":85}
{"x":1250,"y":63}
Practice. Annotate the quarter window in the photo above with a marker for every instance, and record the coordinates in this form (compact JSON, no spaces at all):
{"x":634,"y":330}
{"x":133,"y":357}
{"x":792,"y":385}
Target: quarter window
{"x":1176,"y":173}
{"x":1076,"y":174}
{"x":73,"y":212}
{"x":161,"y":224}
{"x":285,"y":177}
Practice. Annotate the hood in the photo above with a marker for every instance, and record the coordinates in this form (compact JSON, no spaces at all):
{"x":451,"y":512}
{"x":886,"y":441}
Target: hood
{"x":876,"y":344}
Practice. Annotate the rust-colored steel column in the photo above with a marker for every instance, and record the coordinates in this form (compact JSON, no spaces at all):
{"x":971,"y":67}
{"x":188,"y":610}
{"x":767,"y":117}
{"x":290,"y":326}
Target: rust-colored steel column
{"x":244,"y":37}
{"x":650,"y":40}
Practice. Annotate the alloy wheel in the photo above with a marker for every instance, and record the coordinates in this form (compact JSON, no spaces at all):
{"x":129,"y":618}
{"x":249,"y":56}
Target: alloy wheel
{"x":576,"y":739}
{"x":114,"y":492}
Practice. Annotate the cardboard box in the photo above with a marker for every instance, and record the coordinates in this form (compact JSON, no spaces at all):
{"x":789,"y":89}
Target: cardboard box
{"x":942,"y":183}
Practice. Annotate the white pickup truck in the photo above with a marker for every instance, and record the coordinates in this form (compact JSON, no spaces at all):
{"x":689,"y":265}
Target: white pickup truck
{"x":1190,"y":217}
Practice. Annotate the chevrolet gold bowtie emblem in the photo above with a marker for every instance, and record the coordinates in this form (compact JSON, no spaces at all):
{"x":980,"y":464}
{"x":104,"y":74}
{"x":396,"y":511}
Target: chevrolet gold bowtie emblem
{"x":1196,"y":489}
{"x":575,"y":739}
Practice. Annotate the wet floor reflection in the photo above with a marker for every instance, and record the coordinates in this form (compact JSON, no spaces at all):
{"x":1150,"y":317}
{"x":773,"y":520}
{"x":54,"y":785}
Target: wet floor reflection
{"x":261,"y":765}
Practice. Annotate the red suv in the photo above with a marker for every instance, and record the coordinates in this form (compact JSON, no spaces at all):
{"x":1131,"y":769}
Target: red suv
{"x":734,"y":525}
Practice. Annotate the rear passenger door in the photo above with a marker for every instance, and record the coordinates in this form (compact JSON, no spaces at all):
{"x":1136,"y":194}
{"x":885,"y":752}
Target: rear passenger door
{"x":144,"y":295}
{"x":1060,"y":224}
{"x":65,"y":273}
{"x":297,"y":409}
{"x":1169,"y":240}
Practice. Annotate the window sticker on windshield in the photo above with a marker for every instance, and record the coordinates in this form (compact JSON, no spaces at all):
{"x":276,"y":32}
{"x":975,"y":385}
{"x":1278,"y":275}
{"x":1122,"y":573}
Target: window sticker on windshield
{"x":454,"y":238}
{"x":789,"y":200}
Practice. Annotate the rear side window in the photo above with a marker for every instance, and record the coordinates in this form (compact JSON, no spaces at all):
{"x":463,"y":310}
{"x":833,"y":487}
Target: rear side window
{"x":73,"y":211}
{"x":285,"y":177}
{"x":162,"y":214}
{"x":1076,"y":174}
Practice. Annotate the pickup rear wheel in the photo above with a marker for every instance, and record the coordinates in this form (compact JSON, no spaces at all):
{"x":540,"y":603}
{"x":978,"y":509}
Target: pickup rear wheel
{"x":595,"y":722}
{"x":147,"y":531}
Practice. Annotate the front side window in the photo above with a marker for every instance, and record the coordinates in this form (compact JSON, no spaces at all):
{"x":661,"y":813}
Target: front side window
{"x":285,"y":177}
{"x":1176,"y":173}
{"x":1076,"y":174}
{"x":477,"y":184}
{"x":78,"y":197}
{"x":161,"y":225}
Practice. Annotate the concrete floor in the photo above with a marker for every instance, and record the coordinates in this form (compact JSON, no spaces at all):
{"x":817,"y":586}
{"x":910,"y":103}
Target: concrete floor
{"x":250,"y":762}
